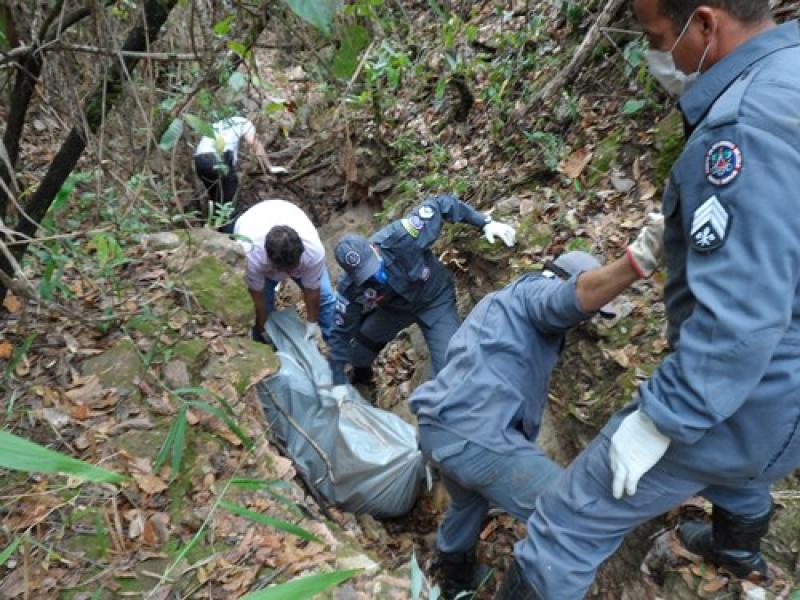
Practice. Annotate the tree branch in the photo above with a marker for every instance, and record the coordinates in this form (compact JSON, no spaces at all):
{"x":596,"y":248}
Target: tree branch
{"x":570,"y":71}
{"x":106,"y":93}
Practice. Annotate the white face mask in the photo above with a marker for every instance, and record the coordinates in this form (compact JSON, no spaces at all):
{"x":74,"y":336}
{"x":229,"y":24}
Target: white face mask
{"x":664,"y":70}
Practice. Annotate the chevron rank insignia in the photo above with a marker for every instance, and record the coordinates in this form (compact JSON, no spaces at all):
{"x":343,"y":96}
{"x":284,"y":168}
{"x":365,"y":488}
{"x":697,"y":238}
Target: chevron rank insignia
{"x":710,"y":225}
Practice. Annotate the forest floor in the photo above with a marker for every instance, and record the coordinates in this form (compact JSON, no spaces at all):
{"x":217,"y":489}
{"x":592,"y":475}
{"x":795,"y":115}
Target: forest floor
{"x":449,"y":110}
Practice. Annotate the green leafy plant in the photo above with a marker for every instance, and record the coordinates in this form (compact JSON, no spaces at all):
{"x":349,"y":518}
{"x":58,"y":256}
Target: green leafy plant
{"x":550,"y":146}
{"x":199,"y":125}
{"x":635,"y":106}
{"x":261,"y":519}
{"x":171,"y":135}
{"x":63,"y":195}
{"x":219,"y":213}
{"x":580,"y":244}
{"x":319,"y":13}
{"x":18,"y":355}
{"x":19,"y":454}
{"x":174,"y":445}
{"x":10,"y":549}
{"x":305,"y":587}
{"x":354,"y":39}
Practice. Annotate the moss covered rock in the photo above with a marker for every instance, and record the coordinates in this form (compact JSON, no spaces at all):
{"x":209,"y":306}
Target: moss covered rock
{"x":220,"y":290}
{"x":243,"y":364}
{"x":120,"y":367}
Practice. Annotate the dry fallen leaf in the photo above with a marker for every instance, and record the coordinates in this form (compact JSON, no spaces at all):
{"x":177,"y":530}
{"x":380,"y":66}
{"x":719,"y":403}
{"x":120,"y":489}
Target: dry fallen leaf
{"x":6,"y":350}
{"x":149,"y":484}
{"x":12,"y":303}
{"x":574,"y":165}
{"x":55,"y":417}
{"x":714,"y":585}
{"x":88,"y":390}
{"x":80,"y":412}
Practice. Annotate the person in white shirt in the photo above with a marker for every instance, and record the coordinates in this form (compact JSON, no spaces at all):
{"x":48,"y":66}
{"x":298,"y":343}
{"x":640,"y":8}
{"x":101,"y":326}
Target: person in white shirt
{"x":281,"y":242}
{"x":215,"y":161}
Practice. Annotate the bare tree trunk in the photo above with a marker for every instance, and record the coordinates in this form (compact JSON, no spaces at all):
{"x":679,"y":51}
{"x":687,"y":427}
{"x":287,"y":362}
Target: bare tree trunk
{"x":97,"y":105}
{"x":582,"y":53}
{"x":27,"y":77}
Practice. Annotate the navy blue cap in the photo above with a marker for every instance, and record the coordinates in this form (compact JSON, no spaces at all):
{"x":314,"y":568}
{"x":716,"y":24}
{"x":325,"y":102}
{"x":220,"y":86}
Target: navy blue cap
{"x":356,"y":256}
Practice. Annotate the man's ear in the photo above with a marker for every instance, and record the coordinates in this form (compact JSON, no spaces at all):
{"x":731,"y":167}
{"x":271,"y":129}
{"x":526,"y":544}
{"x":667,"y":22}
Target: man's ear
{"x":708,"y":18}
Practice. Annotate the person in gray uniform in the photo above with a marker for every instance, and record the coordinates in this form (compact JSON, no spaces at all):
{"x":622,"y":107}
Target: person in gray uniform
{"x":720,"y":417}
{"x":393,"y":280}
{"x":480,"y":416}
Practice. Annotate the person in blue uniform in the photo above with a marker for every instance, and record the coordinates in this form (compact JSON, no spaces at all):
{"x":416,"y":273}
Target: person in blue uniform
{"x":393,"y":280}
{"x":720,"y":417}
{"x":480,"y":416}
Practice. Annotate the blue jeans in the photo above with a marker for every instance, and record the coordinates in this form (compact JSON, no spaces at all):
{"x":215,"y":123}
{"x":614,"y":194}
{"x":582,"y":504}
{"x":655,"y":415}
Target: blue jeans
{"x":327,"y":301}
{"x":578,"y":523}
{"x":475,"y":477}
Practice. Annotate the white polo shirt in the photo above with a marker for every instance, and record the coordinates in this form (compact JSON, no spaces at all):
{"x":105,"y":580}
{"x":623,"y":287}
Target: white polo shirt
{"x":255,"y":224}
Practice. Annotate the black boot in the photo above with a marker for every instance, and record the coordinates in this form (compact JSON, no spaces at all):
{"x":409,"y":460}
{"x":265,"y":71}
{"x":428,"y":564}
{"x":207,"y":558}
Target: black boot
{"x":730,"y":541}
{"x":516,"y":587}
{"x":460,"y":572}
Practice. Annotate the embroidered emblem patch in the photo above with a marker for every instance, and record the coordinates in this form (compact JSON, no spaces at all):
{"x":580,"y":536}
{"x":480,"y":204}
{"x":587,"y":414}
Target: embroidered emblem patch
{"x":426,"y":212}
{"x":710,"y":225}
{"x":410,"y":229}
{"x":723,"y":163}
{"x":352,"y":258}
{"x":416,"y":222}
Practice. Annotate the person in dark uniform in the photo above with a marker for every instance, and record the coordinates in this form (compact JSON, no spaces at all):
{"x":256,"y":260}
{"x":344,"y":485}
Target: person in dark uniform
{"x":393,"y":280}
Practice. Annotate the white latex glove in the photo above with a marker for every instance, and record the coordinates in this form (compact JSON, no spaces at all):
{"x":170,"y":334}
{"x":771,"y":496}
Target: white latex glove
{"x":635,"y":448}
{"x":647,"y":252}
{"x":501,"y":230}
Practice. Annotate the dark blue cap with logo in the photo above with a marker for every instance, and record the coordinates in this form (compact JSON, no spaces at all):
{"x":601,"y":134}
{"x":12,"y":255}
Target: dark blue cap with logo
{"x":356,"y":256}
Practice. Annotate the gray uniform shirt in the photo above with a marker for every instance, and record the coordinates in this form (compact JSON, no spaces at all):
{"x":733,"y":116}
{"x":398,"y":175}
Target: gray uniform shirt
{"x":729,"y":394}
{"x":493,"y":388}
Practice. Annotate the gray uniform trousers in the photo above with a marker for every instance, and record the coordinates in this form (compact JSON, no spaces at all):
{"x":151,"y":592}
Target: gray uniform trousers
{"x":476,"y":477}
{"x":578,"y":523}
{"x":382,"y":325}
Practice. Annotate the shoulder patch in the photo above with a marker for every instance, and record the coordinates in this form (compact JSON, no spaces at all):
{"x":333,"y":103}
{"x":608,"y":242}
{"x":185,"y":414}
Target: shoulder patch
{"x":724,"y":162}
{"x":341,"y":304}
{"x":413,"y":225}
{"x":710,"y":225}
{"x":426,"y":212}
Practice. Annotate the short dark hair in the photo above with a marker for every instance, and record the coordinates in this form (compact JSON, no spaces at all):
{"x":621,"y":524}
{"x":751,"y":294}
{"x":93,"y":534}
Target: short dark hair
{"x":284,"y":247}
{"x":746,"y":11}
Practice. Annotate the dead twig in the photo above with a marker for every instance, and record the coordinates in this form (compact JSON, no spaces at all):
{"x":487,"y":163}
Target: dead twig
{"x":583,"y":52}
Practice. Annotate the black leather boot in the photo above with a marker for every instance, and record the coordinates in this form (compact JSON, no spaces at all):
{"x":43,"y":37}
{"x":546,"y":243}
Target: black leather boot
{"x":516,"y":587}
{"x":460,"y":572}
{"x":731,"y":542}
